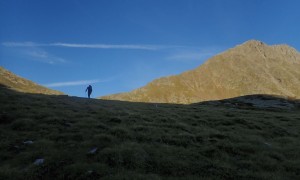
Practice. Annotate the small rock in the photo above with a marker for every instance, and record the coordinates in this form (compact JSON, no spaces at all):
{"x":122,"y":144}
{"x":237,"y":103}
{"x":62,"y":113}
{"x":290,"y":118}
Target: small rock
{"x":38,"y":162}
{"x":90,"y":172}
{"x":28,"y":142}
{"x":228,"y":104}
{"x":93,"y":151}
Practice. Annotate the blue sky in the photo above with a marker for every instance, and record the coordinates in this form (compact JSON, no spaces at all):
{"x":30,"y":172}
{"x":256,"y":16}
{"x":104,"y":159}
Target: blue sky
{"x":119,"y":45}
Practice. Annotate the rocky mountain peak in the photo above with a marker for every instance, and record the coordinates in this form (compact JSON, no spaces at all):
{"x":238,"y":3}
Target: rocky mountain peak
{"x":254,"y":43}
{"x":250,"y":68}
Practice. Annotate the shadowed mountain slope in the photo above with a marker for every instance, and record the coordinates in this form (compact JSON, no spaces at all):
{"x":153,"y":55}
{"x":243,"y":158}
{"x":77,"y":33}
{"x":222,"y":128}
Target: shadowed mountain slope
{"x":250,"y":68}
{"x":60,"y":137}
{"x":18,"y":83}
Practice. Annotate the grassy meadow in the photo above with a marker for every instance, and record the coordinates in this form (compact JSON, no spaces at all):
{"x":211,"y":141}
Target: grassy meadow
{"x":61,"y":137}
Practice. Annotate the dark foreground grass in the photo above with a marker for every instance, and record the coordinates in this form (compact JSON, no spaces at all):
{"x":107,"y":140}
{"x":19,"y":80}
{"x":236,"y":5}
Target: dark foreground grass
{"x":94,"y":139}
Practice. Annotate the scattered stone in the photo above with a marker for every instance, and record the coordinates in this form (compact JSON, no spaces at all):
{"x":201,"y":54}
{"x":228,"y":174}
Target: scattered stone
{"x":28,"y":142}
{"x":227,"y":104}
{"x":38,"y":162}
{"x":90,"y":172}
{"x":93,"y":150}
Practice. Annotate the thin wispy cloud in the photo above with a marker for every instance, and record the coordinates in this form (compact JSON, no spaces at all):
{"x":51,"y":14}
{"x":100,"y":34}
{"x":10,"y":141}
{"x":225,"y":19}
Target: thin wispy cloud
{"x":38,"y":54}
{"x":77,"y":83}
{"x":43,"y":56}
{"x":22,"y":44}
{"x":34,"y":52}
{"x":93,"y":46}
{"x":107,"y":46}
{"x":176,"y":52}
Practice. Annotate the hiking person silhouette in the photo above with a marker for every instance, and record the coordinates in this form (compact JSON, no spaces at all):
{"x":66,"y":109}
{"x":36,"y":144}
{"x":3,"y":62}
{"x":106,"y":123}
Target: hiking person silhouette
{"x":89,"y":89}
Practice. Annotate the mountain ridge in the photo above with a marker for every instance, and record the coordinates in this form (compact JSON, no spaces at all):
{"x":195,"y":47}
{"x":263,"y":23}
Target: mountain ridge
{"x":21,"y":84}
{"x":249,"y":68}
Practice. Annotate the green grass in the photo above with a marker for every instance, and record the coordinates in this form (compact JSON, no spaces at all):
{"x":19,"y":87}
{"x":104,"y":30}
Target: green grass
{"x":142,"y":141}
